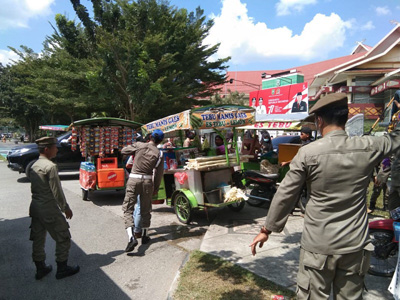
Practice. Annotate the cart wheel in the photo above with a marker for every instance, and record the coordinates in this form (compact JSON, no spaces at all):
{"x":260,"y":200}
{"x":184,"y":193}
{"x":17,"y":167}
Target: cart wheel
{"x":85,"y":194}
{"x":182,"y":208}
{"x":237,"y":206}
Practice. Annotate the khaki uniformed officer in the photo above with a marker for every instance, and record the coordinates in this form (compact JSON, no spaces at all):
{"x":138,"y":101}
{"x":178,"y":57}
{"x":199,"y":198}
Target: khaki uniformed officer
{"x":148,"y":158}
{"x":46,"y":210}
{"x":334,"y":246}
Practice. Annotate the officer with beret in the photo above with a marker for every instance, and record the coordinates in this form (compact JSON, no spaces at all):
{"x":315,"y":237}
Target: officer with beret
{"x":148,"y":158}
{"x":335,"y":246}
{"x":46,"y":210}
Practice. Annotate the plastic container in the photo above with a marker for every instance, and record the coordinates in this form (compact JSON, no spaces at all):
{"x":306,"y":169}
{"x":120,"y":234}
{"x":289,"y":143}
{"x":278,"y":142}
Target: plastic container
{"x":107,"y":163}
{"x":109,"y":178}
{"x":214,"y":196}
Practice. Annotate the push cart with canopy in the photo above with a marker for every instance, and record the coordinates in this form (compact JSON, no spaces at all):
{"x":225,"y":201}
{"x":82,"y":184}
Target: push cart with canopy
{"x":203,"y":182}
{"x":101,"y":140}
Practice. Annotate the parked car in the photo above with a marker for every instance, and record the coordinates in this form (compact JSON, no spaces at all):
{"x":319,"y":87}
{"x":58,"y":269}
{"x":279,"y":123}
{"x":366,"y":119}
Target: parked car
{"x":285,"y":139}
{"x":22,"y":158}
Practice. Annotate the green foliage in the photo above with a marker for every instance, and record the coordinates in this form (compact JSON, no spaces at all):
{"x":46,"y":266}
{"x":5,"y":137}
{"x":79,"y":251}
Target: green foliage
{"x":14,"y":105}
{"x":233,"y":98}
{"x":140,"y":60}
{"x":154,"y":60}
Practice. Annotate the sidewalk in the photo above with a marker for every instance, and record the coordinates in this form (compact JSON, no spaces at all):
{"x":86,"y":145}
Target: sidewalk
{"x":231,"y":233}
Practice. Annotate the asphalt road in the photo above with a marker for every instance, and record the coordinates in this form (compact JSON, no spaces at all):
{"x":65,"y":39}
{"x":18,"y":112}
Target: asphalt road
{"x":98,"y":243}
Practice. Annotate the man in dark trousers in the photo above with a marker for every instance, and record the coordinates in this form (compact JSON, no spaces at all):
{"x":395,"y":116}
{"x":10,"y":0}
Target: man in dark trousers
{"x":46,"y":210}
{"x":148,"y":159}
{"x":335,"y":245}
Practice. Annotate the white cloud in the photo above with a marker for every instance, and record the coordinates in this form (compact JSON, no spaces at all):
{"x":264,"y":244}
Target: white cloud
{"x":248,"y":42}
{"x":286,"y":7}
{"x":6,"y":56}
{"x":17,"y":13}
{"x":368,"y":26}
{"x":382,"y":10}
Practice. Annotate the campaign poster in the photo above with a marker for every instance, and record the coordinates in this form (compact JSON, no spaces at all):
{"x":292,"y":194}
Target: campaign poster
{"x":289,"y":102}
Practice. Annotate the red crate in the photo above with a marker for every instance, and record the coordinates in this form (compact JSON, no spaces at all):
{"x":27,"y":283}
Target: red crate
{"x":110,"y":178}
{"x":107,"y":163}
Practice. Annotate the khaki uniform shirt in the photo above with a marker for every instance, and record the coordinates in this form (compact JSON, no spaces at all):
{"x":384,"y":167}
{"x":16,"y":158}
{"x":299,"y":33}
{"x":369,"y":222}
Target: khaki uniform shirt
{"x":147,"y":156}
{"x":337,"y":170}
{"x":47,"y":195}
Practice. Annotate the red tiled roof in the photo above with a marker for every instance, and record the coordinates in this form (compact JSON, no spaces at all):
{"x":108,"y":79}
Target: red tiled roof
{"x":309,"y":71}
{"x":247,"y":81}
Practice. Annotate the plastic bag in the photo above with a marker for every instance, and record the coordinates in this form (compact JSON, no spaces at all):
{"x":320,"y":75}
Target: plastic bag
{"x":182,"y":177}
{"x":267,"y":167}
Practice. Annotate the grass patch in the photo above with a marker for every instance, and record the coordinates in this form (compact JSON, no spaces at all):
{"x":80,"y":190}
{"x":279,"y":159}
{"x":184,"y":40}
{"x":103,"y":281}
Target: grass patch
{"x":3,"y":158}
{"x":378,"y":212}
{"x":207,"y":276}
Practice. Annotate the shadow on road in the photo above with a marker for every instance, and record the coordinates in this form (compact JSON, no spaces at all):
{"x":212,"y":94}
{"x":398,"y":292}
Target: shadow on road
{"x":17,"y":270}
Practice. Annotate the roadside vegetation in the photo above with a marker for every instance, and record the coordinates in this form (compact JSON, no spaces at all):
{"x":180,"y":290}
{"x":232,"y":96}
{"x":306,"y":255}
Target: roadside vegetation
{"x":205,"y":276}
{"x":378,"y":212}
{"x":137,"y":60}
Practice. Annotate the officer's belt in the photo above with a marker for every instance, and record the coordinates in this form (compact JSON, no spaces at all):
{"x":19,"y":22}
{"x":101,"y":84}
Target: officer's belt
{"x":138,"y":176}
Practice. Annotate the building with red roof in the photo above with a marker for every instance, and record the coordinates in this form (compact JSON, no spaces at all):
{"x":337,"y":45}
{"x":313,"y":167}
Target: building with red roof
{"x":369,"y":75}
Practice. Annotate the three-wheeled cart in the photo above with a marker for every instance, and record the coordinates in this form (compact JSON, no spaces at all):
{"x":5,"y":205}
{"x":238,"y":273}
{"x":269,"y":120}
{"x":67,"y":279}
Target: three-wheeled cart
{"x":194,"y":182}
{"x":101,"y":140}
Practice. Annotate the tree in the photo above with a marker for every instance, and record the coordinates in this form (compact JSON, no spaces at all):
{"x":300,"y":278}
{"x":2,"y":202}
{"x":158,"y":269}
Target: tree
{"x":154,"y":62}
{"x":16,"y":105}
{"x":233,"y":98}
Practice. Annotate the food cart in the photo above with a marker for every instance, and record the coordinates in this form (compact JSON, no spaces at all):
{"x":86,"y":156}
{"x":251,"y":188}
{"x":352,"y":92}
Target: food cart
{"x":101,"y":140}
{"x":200,"y":182}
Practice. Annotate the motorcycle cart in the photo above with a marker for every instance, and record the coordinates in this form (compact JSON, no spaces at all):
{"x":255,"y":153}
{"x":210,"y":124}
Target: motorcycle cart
{"x":194,"y":181}
{"x":258,"y":180}
{"x":101,"y":140}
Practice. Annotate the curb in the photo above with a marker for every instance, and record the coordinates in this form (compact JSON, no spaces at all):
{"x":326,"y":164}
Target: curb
{"x":174,"y":284}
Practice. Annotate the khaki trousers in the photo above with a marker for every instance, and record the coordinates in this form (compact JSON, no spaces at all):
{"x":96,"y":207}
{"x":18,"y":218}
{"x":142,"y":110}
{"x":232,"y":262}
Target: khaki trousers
{"x":58,"y":229}
{"x":344,"y":274}
{"x":135,"y":187}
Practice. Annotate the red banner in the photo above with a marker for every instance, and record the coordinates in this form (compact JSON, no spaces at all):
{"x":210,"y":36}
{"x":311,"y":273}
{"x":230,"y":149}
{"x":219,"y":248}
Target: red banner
{"x":281,"y":100}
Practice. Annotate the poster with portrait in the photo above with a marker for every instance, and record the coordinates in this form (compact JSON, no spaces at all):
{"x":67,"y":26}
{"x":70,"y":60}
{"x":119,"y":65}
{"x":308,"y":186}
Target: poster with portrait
{"x":288,"y":102}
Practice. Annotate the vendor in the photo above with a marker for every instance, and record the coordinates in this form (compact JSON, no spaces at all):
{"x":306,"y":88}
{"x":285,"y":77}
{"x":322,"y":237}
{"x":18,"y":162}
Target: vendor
{"x":219,"y":142}
{"x":169,"y":144}
{"x":190,"y":135}
{"x":266,"y":142}
{"x":306,"y":135}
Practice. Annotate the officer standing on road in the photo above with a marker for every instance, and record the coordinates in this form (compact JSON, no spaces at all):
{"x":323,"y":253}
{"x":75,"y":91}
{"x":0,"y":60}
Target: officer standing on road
{"x":335,"y":243}
{"x":148,"y":158}
{"x":46,"y":210}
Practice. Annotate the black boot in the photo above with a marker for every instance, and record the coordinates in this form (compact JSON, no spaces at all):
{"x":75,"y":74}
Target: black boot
{"x":42,"y":269}
{"x":63,"y":270}
{"x":131,"y":245}
{"x":145,"y":238}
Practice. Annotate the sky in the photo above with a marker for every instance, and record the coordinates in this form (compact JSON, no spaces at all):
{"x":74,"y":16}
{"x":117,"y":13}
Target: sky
{"x":256,"y":34}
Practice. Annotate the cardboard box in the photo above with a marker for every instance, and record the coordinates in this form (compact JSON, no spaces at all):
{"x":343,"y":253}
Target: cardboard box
{"x":110,"y":178}
{"x":87,"y":179}
{"x":287,"y":152}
